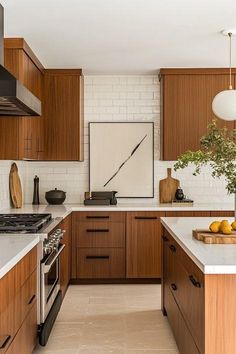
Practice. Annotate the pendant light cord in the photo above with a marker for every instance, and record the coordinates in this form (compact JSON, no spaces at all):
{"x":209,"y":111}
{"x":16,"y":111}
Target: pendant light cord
{"x":230,"y":61}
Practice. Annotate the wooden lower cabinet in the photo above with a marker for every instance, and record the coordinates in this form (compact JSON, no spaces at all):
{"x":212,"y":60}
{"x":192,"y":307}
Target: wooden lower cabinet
{"x":98,"y":245}
{"x":65,"y":258}
{"x":18,"y":294}
{"x":200,"y":307}
{"x":143,"y":244}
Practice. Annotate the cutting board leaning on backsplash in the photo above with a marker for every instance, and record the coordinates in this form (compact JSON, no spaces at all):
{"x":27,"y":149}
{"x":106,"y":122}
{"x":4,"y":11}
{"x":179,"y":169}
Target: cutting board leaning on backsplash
{"x":15,"y":186}
{"x":167,"y":188}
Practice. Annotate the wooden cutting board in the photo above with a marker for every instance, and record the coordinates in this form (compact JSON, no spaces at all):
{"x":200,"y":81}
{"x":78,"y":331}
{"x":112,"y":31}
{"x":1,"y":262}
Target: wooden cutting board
{"x":15,"y":186}
{"x":210,"y":238}
{"x":167,"y":188}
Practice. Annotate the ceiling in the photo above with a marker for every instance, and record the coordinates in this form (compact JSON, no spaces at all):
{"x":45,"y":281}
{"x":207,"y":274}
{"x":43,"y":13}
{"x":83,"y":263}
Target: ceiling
{"x":123,"y":36}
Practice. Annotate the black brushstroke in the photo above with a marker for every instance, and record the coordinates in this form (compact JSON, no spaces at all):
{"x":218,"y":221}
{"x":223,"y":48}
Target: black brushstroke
{"x":123,"y":163}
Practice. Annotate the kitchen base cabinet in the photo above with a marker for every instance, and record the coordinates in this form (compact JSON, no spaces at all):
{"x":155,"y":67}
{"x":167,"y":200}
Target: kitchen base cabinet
{"x":143,"y":244}
{"x":18,"y":306}
{"x":65,"y":258}
{"x":98,"y":245}
{"x":200,"y":307}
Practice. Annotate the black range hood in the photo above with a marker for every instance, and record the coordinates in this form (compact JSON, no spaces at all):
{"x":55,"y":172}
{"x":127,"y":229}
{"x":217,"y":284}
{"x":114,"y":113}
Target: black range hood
{"x":15,"y":99}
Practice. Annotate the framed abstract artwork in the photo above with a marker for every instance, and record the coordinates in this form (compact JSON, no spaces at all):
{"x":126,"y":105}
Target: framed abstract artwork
{"x":121,"y":158}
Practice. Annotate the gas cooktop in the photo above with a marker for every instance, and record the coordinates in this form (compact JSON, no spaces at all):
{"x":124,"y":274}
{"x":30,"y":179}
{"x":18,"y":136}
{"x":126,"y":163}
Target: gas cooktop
{"x":23,"y":223}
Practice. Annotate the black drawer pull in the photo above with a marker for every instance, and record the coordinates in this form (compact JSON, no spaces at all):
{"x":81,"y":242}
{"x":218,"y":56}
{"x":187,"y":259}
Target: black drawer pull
{"x":194,"y":281}
{"x":172,"y":248}
{"x":165,"y":239}
{"x":145,"y":217}
{"x":97,"y":217}
{"x":97,"y":230}
{"x":174,"y":286}
{"x":32,"y":299}
{"x":4,"y":341}
{"x":97,"y":257}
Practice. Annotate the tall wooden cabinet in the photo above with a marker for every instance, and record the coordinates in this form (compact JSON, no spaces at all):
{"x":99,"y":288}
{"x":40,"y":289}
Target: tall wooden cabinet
{"x":21,"y":137}
{"x":63,"y":114}
{"x":186,"y":107}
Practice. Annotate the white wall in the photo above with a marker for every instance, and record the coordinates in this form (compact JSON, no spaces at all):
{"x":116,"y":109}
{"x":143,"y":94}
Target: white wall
{"x":116,"y":98}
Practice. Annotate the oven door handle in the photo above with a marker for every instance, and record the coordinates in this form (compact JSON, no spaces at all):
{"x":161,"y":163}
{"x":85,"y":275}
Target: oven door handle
{"x":46,"y":267}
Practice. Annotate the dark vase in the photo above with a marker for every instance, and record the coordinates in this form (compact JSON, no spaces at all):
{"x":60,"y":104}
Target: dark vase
{"x":179,"y":194}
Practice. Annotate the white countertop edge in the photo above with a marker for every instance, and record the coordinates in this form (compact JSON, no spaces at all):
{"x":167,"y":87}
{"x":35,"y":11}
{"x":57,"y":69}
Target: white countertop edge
{"x":13,"y":261}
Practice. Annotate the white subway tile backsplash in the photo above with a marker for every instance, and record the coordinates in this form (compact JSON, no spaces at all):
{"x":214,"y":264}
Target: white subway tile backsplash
{"x":113,"y":98}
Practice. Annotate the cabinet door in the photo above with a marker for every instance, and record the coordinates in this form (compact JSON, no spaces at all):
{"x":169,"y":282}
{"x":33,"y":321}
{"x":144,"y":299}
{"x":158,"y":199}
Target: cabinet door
{"x":65,"y":258}
{"x":23,"y":132}
{"x":62,"y":112}
{"x":143,"y":245}
{"x":187,"y":110}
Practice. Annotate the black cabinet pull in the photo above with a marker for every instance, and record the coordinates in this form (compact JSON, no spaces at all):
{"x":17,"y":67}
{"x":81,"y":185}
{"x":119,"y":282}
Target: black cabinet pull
{"x":32,"y":299}
{"x":165,"y":239}
{"x":4,"y":341}
{"x":174,"y":286}
{"x":97,"y":230}
{"x":97,"y":257}
{"x":145,"y":217}
{"x":172,"y":248}
{"x":97,"y":216}
{"x":194,"y":281}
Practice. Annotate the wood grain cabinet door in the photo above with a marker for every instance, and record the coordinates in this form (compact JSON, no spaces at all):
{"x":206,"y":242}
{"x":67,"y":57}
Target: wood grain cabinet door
{"x":187,"y":108}
{"x":63,"y":114}
{"x":143,"y":254}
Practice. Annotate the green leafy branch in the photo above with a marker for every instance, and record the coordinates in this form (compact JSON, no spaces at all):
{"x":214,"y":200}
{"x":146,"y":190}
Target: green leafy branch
{"x":218,"y":149}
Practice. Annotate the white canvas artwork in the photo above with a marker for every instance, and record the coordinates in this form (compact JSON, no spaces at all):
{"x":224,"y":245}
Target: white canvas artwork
{"x":121,"y":158}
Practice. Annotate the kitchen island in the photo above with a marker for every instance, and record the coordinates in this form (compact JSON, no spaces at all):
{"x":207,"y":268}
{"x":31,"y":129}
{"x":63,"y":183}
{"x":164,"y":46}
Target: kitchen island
{"x":198,"y":289}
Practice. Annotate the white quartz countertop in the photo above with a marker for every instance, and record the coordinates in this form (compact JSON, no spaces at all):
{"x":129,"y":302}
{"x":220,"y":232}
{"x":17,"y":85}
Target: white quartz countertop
{"x":211,"y":259}
{"x":65,"y":209}
{"x":13,"y":248}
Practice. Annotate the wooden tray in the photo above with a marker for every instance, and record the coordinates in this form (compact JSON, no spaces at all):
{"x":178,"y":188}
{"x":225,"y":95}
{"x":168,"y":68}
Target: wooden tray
{"x":209,"y":237}
{"x":15,"y":186}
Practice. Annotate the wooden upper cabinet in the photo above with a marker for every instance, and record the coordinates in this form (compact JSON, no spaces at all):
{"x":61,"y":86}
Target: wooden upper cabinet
{"x":186,"y":106}
{"x":21,"y":137}
{"x":63,"y":113}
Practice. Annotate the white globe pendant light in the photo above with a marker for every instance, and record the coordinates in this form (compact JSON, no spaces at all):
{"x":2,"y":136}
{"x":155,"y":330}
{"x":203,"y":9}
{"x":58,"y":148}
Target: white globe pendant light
{"x":224,"y":103}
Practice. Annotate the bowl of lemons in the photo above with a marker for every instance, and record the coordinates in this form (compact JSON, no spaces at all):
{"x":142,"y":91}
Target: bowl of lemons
{"x":223,"y":227}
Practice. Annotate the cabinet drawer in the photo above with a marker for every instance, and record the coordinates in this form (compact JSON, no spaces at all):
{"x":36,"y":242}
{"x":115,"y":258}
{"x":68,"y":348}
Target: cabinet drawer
{"x":26,"y":297}
{"x":26,"y":266}
{"x":183,"y":337}
{"x":100,"y":263}
{"x":97,"y":216}
{"x":25,"y":340}
{"x":100,"y":234}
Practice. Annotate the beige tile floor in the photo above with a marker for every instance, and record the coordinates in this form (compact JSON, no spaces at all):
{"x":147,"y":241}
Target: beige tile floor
{"x":118,"y":319}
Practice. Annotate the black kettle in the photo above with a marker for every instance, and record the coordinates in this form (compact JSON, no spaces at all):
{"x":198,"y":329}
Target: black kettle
{"x":55,"y":196}
{"x":179,"y":194}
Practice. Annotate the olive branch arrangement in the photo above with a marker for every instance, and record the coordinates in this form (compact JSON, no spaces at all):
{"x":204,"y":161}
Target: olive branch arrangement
{"x":217,"y":149}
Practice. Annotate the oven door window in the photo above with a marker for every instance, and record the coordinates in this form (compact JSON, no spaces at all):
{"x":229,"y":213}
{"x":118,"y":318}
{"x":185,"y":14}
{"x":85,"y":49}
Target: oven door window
{"x":51,"y":279}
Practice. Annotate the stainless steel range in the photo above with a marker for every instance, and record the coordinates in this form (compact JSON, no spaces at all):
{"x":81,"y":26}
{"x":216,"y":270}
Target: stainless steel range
{"x":49,"y":250}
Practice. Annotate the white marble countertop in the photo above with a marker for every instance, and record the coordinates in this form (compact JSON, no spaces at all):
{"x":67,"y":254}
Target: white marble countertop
{"x":211,"y":259}
{"x":13,"y":248}
{"x":65,"y":209}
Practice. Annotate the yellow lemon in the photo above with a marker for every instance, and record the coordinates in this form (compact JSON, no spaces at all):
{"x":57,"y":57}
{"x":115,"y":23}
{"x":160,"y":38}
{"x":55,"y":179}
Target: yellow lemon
{"x":215,"y":226}
{"x":227,"y":230}
{"x":224,"y":224}
{"x":233,"y":225}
